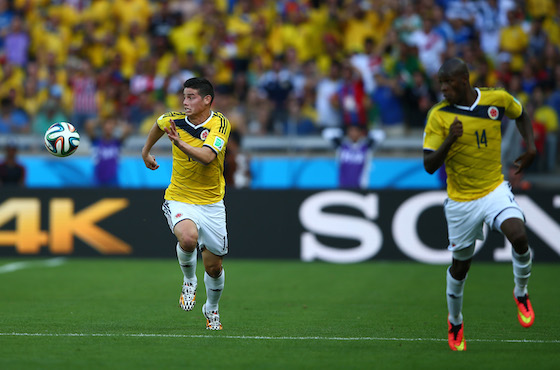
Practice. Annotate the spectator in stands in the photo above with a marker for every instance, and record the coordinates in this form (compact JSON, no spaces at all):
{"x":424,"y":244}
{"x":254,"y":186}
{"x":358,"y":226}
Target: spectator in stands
{"x":407,"y":22}
{"x":514,"y":40}
{"x":50,"y":112}
{"x":538,"y":38}
{"x":303,"y":115}
{"x":350,"y":99}
{"x":12,"y":173}
{"x":12,"y":119}
{"x":327,"y":87}
{"x":32,"y":98}
{"x":140,"y":108}
{"x":546,"y":115}
{"x":387,"y":99}
{"x":17,"y":43}
{"x":11,"y":81}
{"x":487,"y":24}
{"x":554,"y":96}
{"x":164,"y":19}
{"x":107,"y":138}
{"x":463,"y":33}
{"x":84,"y":92}
{"x":368,"y":63}
{"x":539,"y":133}
{"x":6,"y":16}
{"x":441,"y":24}
{"x":277,"y":85}
{"x":430,"y":45}
{"x":528,"y":79}
{"x":418,"y":97}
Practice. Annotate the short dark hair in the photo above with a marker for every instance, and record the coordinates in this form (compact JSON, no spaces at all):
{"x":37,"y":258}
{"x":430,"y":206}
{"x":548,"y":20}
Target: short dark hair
{"x":454,"y":67}
{"x":202,"y":85}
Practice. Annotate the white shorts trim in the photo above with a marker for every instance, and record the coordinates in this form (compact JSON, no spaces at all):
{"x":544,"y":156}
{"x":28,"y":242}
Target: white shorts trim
{"x":465,"y":220}
{"x":210,"y":220}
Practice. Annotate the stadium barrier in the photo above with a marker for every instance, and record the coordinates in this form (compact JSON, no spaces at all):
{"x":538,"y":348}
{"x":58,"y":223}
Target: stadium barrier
{"x":268,"y":172}
{"x":336,"y":226}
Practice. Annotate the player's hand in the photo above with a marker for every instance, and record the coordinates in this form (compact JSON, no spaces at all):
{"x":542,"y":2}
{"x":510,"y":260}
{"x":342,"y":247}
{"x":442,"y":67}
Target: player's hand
{"x":456,"y":129}
{"x":524,"y":160}
{"x":150,"y":161}
{"x":172,"y":133}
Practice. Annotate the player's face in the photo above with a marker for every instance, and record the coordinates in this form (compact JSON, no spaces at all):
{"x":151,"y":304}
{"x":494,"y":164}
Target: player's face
{"x":452,"y":87}
{"x":194,"y":103}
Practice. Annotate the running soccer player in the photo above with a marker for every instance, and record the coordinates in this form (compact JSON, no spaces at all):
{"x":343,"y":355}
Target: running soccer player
{"x":464,"y":132}
{"x":193,"y":203}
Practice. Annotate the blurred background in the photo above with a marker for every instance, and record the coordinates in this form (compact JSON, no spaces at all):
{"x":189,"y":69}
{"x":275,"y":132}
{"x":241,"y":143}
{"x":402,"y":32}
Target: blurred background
{"x":323,"y":96}
{"x":283,"y":71}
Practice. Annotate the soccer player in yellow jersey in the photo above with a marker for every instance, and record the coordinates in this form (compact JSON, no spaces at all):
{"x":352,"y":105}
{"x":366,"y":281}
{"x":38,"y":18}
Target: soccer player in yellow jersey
{"x":193,"y":204}
{"x":463,"y":131}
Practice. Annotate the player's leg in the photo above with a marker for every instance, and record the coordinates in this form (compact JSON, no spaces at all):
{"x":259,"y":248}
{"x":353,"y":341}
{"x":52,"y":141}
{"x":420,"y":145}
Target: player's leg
{"x":214,"y":279}
{"x":456,"y":278}
{"x":464,"y":225}
{"x":180,"y":220}
{"x":514,"y":230}
{"x":509,"y":219}
{"x":187,"y":236}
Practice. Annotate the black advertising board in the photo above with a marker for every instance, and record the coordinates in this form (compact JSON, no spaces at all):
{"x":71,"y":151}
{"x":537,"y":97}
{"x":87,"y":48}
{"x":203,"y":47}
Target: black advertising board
{"x":336,"y":226}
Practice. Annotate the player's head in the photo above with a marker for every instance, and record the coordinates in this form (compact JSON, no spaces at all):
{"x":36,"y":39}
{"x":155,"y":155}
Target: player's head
{"x":202,"y":85}
{"x":355,"y":131}
{"x":454,"y":82}
{"x":198,"y":95}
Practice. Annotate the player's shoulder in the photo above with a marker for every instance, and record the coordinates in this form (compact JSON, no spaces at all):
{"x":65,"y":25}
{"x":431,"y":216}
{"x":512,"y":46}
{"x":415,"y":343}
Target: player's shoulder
{"x":437,"y":108}
{"x":493,"y":91}
{"x":495,"y":96}
{"x":219,"y":116}
{"x":170,"y":116}
{"x":220,"y":121}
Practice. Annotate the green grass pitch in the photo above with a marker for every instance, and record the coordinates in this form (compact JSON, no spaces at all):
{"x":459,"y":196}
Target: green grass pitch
{"x":124,"y":314}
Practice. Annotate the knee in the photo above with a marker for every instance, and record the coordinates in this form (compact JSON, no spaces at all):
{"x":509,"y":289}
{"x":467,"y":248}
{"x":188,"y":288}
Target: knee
{"x":459,"y":269}
{"x":187,"y":241}
{"x":519,"y":241}
{"x":214,"y":270}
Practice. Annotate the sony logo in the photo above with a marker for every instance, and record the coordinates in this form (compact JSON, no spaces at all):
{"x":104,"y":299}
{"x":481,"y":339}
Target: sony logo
{"x":404,"y":227}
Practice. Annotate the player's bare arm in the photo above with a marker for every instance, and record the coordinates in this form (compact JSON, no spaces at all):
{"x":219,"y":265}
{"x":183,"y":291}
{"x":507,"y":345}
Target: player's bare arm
{"x":204,"y":155}
{"x":435,"y":159}
{"x":526,"y":130}
{"x":153,"y":136}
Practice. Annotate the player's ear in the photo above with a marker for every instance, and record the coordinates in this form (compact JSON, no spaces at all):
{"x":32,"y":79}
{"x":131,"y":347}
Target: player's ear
{"x":207,"y":99}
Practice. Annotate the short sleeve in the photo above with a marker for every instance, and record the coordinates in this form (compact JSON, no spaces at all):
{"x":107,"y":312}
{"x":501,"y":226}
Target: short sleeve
{"x":433,"y":132}
{"x":512,"y":106}
{"x":219,"y":134}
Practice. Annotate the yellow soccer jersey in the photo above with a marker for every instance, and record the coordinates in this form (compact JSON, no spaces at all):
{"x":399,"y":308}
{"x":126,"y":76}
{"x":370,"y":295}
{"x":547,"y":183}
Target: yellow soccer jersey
{"x":473,"y":163}
{"x":191,"y":181}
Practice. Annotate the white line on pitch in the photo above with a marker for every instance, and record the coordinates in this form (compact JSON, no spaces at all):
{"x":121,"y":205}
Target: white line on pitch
{"x":143,"y":335}
{"x":14,"y":266}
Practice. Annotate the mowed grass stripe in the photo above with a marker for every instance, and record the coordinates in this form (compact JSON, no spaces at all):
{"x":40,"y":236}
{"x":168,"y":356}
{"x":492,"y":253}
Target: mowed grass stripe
{"x":155,"y":335}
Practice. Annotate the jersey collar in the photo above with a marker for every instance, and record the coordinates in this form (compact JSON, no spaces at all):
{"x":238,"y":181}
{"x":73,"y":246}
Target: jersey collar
{"x":203,"y":123}
{"x":471,"y":108}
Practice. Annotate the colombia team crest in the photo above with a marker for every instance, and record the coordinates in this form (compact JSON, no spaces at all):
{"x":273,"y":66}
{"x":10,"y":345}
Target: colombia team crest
{"x":204,"y":134}
{"x":493,"y":112}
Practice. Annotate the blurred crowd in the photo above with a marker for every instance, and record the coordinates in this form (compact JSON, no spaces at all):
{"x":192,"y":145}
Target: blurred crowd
{"x":279,"y":67}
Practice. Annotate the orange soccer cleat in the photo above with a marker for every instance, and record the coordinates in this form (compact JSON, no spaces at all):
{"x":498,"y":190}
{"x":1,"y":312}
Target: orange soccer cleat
{"x":456,"y":338}
{"x":525,"y":313}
